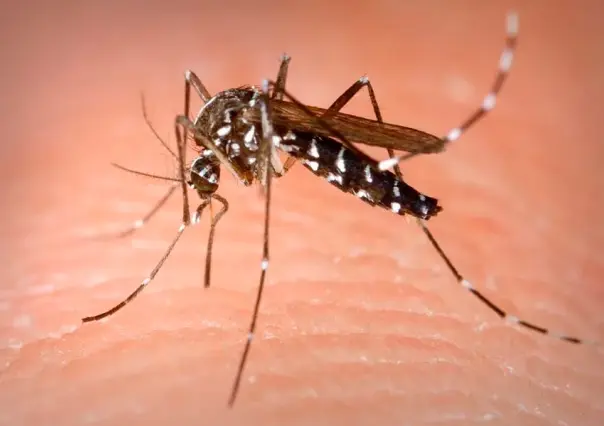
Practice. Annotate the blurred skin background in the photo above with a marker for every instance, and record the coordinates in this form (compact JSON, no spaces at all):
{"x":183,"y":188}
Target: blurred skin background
{"x":360,"y":321}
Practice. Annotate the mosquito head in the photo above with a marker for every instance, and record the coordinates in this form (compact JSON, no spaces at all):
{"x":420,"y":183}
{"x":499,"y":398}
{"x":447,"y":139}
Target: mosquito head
{"x":205,"y":174}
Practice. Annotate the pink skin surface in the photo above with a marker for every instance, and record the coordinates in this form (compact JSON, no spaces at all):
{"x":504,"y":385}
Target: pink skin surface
{"x":361,"y":323}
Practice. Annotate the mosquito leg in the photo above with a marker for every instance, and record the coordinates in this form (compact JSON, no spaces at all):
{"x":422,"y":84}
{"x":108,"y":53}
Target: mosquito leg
{"x":488,"y":103}
{"x":345,"y":97}
{"x":322,"y":122}
{"x":490,"y":304}
{"x":150,"y":125}
{"x":142,"y":221}
{"x":155,"y":270}
{"x":288,"y":164}
{"x":186,"y":222}
{"x":182,"y":148}
{"x":504,"y":66}
{"x":267,"y":148}
{"x":191,"y":79}
{"x":215,"y":219}
{"x":142,"y":286}
{"x":483,"y":299}
{"x":278,"y":95}
{"x":281,"y":78}
{"x":281,"y":169}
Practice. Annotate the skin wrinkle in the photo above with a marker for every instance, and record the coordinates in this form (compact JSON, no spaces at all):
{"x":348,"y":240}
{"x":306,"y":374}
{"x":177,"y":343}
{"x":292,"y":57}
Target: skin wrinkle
{"x":383,"y":334}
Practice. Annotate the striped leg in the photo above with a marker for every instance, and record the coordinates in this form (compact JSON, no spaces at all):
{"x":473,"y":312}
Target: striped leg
{"x":488,"y":103}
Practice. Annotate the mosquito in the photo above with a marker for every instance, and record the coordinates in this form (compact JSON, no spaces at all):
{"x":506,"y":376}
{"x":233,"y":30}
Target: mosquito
{"x":244,"y":129}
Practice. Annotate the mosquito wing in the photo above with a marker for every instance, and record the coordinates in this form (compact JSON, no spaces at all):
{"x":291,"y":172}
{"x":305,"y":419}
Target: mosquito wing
{"x":354,"y":129}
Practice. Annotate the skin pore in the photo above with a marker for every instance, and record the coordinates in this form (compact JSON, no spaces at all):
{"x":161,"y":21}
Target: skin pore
{"x":360,"y":320}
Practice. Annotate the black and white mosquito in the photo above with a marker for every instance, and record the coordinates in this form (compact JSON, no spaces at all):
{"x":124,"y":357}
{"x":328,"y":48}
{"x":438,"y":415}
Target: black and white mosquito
{"x":244,"y":129}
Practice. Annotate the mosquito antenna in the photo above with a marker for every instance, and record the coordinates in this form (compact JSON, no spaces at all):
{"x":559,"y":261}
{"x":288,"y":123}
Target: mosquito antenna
{"x":150,"y":124}
{"x":145,"y":174}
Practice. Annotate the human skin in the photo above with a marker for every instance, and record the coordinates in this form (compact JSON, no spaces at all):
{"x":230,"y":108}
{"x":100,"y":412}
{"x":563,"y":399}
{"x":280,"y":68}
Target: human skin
{"x":360,"y":322}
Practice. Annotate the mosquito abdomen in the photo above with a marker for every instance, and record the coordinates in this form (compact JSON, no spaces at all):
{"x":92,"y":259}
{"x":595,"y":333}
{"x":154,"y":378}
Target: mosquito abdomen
{"x":328,"y":159}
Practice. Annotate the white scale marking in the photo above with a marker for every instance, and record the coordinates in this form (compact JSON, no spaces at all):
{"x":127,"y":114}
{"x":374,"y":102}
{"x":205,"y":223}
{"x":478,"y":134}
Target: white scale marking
{"x":340,"y":161}
{"x":466,"y":284}
{"x":313,"y":151}
{"x":489,"y":102}
{"x":396,"y":190}
{"x":390,"y":162}
{"x":249,"y":135}
{"x":223,"y":131}
{"x":361,"y":193}
{"x":252,"y":146}
{"x":512,"y":319}
{"x":512,"y":24}
{"x":454,"y":134}
{"x":334,"y":178}
{"x":195,"y":217}
{"x":396,"y":207}
{"x":235,"y":149}
{"x":314,"y":165}
{"x":368,"y":175}
{"x":206,"y":169}
{"x":505,"y":61}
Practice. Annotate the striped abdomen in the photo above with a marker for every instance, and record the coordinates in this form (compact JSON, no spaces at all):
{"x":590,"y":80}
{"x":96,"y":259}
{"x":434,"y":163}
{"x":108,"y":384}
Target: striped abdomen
{"x":329,"y":159}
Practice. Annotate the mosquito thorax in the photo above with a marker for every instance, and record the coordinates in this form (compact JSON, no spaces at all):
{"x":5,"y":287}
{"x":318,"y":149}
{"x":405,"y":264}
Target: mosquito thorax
{"x":223,"y":117}
{"x":224,"y":120}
